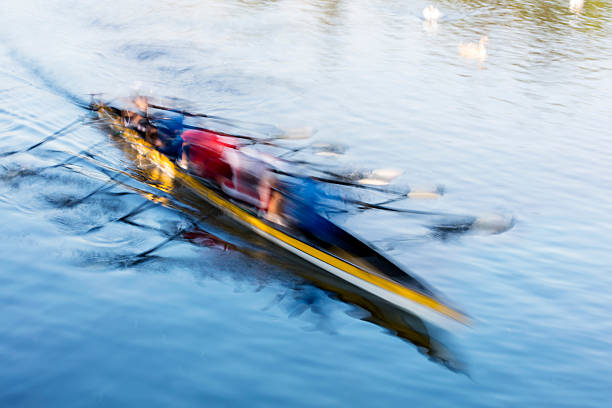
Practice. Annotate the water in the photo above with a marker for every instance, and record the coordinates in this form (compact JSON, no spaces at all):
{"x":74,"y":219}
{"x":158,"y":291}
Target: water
{"x":525,"y":133}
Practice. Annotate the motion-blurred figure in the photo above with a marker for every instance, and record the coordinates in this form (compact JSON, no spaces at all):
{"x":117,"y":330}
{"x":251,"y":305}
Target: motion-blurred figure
{"x":219,"y":158}
{"x":163,"y":131}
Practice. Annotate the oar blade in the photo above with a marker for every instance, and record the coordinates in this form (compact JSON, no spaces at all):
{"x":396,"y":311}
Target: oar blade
{"x":387,"y":173}
{"x":493,"y":223}
{"x":370,"y":181}
{"x":423,"y":195}
{"x":298,"y":133}
{"x":380,"y":177}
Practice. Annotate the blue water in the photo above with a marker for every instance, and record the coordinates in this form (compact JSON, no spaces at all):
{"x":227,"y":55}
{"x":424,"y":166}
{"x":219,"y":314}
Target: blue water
{"x":524,"y":133}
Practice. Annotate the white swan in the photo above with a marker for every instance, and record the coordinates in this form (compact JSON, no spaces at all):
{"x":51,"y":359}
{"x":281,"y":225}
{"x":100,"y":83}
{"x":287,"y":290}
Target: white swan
{"x":473,"y":50}
{"x":431,"y":14}
{"x":576,"y":6}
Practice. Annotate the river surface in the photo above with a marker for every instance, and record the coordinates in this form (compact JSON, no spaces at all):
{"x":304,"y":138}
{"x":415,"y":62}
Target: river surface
{"x":525,"y":132}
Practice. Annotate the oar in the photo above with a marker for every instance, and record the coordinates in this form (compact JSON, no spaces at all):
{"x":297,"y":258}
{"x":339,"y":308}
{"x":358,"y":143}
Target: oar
{"x":320,"y":148}
{"x":55,"y":135}
{"x":361,"y":179}
{"x":402,"y":194}
{"x":365,"y":205}
{"x":142,"y":256}
{"x":126,"y":218}
{"x":110,"y":183}
{"x":377,"y":178}
{"x":75,"y":157}
{"x":266,"y":141}
{"x":95,"y":107}
{"x":294,"y":134}
{"x":493,"y":223}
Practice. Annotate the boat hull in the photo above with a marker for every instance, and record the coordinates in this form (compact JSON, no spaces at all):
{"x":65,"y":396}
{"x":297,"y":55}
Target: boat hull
{"x":420,"y":301}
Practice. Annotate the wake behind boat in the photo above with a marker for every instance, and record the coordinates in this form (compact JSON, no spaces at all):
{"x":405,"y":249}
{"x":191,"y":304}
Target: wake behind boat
{"x":337,"y":251}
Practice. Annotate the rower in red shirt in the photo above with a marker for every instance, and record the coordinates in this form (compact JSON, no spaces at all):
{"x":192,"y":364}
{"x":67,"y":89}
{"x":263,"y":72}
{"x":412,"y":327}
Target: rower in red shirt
{"x":217,"y":157}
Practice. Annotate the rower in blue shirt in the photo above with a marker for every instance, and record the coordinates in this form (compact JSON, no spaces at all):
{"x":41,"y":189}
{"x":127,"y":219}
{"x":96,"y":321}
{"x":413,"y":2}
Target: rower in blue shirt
{"x":301,"y":203}
{"x":162,"y":129}
{"x":169,"y":129}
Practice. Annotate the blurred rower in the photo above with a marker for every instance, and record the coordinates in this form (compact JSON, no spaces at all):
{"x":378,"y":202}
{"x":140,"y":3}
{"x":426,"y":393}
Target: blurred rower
{"x":162,"y":130}
{"x":302,"y":203}
{"x":217,"y":157}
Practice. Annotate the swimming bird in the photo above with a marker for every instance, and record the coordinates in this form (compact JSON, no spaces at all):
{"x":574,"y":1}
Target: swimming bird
{"x":431,"y":14}
{"x":575,"y":6}
{"x":473,"y":50}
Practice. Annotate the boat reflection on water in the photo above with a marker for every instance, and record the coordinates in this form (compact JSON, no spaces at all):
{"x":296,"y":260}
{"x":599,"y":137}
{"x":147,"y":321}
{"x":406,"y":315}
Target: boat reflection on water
{"x":429,"y":340}
{"x":210,"y":227}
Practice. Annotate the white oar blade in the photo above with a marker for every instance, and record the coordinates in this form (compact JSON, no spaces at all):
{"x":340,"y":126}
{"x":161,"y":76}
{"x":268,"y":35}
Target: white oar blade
{"x":493,"y":223}
{"x":423,"y":195}
{"x":426,"y":193}
{"x":328,"y":149}
{"x":327,"y":154}
{"x":380,"y":177}
{"x":298,"y":133}
{"x":386,"y":174}
{"x":372,"y":181}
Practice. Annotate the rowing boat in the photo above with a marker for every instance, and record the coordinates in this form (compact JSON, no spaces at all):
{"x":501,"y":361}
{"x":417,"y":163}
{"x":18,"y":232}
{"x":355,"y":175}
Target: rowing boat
{"x":350,"y":259}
